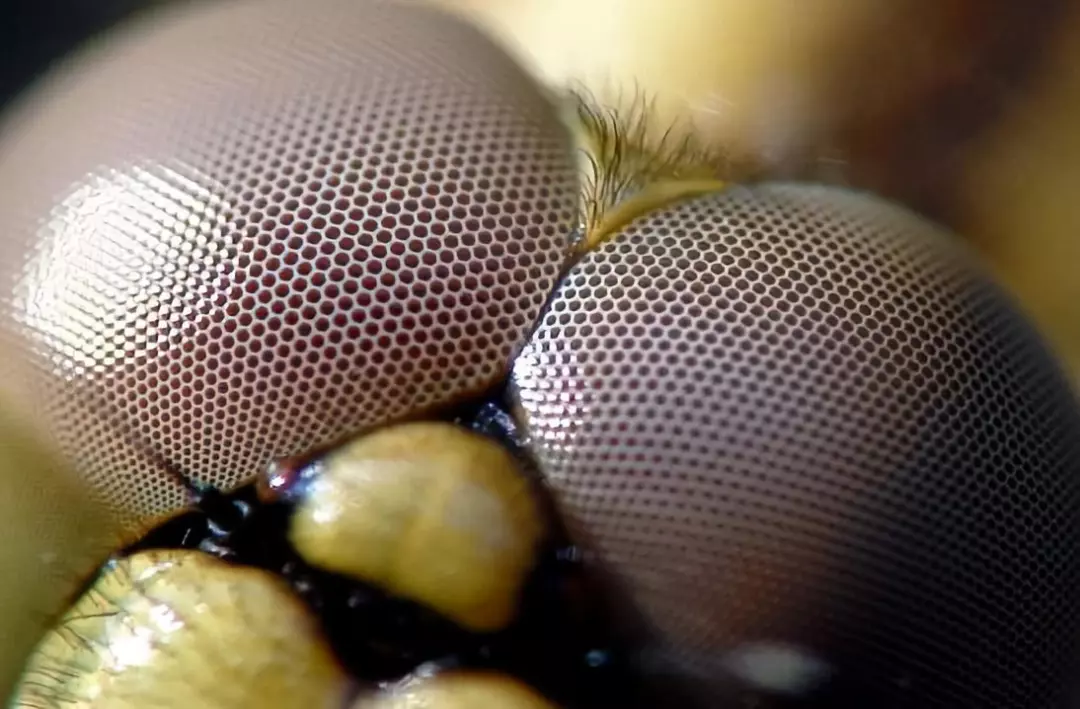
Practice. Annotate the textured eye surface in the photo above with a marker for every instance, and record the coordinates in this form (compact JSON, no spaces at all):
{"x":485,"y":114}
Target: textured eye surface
{"x":258,"y":226}
{"x":799,"y":415}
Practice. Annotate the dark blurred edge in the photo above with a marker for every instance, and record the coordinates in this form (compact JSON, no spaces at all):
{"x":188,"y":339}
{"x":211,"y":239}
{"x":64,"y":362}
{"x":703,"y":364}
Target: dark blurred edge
{"x":982,"y":58}
{"x":36,"y":33}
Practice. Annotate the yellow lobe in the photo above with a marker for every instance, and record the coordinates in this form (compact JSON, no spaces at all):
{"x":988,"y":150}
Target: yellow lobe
{"x":458,"y":691}
{"x":429,"y":512}
{"x":179,"y":629}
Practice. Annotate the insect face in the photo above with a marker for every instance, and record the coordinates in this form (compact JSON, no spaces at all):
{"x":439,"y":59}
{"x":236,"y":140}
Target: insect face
{"x":783,"y":416}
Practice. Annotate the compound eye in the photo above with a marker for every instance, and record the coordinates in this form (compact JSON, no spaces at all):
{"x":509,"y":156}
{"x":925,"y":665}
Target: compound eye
{"x":793,"y":416}
{"x":249,"y":229}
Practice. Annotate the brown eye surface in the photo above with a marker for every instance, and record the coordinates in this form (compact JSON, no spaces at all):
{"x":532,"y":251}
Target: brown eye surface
{"x":257,"y":226}
{"x":803,"y":417}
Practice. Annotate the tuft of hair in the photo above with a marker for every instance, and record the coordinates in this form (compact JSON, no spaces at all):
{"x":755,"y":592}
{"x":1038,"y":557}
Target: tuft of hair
{"x":623,"y":151}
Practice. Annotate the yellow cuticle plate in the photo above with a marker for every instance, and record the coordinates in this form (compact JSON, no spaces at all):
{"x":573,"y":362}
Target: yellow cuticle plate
{"x":429,"y":512}
{"x":177,"y":629}
{"x":457,"y":691}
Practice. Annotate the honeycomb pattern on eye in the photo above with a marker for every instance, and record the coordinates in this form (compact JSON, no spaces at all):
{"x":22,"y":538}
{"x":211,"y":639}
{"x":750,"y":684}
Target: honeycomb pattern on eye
{"x":257,"y":227}
{"x":795,"y":414}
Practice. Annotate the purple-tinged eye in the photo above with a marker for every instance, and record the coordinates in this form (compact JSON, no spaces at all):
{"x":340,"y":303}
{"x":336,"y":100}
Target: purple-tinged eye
{"x":322,"y":220}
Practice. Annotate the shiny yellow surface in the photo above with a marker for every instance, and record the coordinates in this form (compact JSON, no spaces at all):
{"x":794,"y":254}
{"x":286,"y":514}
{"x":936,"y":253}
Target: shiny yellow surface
{"x":458,"y":691}
{"x":179,"y":630}
{"x":430,"y":512}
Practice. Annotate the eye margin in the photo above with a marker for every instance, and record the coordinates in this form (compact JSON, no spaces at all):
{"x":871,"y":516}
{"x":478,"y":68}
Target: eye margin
{"x":630,"y":164}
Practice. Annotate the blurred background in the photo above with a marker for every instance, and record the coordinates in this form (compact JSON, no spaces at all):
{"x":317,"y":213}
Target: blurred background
{"x":963,"y":109}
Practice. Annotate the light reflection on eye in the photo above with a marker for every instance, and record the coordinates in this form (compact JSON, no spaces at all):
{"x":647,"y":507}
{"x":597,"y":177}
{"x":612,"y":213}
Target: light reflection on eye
{"x":778,"y":667}
{"x":92,"y":231}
